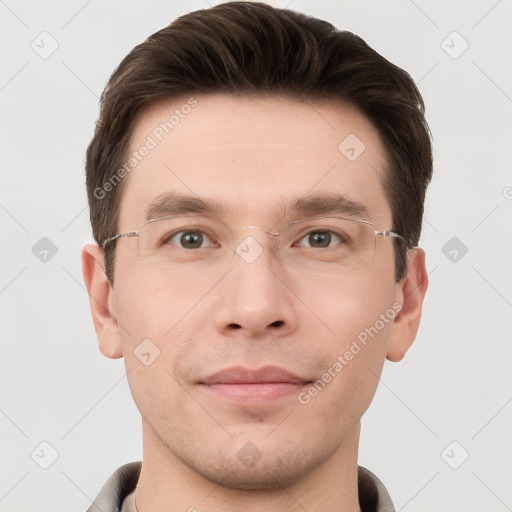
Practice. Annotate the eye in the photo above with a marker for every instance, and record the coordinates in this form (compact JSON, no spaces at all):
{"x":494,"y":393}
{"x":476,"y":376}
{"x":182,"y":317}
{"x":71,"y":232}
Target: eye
{"x":190,"y":239}
{"x":320,"y":239}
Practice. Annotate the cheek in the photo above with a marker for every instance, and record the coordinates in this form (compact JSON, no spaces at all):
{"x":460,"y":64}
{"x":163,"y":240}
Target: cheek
{"x":158,"y":395}
{"x":346,"y":307}
{"x":151,"y":303}
{"x":345,"y":388}
{"x":160,"y":330}
{"x":157,"y":355}
{"x":353,"y":351}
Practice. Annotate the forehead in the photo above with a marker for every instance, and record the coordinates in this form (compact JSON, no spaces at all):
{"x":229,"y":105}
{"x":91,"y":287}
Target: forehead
{"x":253,"y":156}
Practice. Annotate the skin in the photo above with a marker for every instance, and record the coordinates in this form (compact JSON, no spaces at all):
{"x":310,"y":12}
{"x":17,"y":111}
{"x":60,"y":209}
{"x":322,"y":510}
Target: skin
{"x":253,"y":155}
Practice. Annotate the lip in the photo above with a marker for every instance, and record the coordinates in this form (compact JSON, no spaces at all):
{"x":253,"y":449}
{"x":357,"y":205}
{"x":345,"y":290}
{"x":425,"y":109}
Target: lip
{"x":252,"y":387}
{"x":263,"y":375}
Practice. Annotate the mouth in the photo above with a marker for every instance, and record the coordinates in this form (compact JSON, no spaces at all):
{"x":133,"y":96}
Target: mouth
{"x":252,"y":387}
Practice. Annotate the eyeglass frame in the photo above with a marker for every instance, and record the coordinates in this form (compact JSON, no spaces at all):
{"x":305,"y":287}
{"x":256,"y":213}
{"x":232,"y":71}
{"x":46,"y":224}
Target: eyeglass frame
{"x":384,"y":232}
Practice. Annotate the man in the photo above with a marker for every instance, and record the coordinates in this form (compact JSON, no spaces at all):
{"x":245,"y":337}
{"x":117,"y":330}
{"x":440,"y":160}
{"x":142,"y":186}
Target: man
{"x":256,"y":183}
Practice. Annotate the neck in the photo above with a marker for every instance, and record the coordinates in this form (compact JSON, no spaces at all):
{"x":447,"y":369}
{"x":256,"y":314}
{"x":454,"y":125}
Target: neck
{"x":166,"y":483}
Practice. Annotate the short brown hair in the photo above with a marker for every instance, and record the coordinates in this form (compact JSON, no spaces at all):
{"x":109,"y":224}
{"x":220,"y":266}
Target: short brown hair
{"x":249,"y":48}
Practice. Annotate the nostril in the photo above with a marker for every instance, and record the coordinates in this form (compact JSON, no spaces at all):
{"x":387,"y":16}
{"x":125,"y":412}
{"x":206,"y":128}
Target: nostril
{"x":235,"y":326}
{"x":277,"y":323}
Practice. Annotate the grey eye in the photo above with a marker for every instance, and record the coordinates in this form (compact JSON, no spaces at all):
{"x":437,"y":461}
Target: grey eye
{"x":320,"y":239}
{"x":190,"y":240}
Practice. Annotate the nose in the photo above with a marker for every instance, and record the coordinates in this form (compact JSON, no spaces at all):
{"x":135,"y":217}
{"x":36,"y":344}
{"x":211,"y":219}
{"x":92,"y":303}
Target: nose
{"x":256,"y":299}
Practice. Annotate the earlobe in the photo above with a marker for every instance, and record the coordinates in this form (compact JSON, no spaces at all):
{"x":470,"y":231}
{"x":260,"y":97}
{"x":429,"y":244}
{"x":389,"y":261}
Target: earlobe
{"x":102,"y":302}
{"x":410,"y":293}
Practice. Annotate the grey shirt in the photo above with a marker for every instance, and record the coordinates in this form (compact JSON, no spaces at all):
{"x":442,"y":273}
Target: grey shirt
{"x":118,"y":494}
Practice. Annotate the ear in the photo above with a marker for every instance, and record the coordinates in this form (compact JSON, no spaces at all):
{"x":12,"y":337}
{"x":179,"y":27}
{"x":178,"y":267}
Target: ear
{"x":410,"y":293}
{"x":102,"y":301}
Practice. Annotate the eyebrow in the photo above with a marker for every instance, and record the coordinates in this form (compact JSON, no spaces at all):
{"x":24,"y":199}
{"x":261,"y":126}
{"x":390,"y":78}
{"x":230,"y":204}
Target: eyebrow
{"x":171,"y":204}
{"x":326,"y":204}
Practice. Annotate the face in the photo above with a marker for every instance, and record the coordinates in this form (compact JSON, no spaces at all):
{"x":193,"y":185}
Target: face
{"x":253,"y":371}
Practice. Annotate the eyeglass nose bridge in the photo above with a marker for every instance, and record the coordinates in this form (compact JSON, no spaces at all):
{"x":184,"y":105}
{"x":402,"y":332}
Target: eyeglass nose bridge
{"x":261,"y":229}
{"x":249,"y":249}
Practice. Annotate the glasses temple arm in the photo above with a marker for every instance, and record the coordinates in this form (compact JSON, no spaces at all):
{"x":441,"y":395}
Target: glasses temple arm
{"x":116,"y":237}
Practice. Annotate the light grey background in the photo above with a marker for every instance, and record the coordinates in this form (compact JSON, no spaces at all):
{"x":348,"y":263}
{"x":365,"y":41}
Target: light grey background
{"x":454,"y":384}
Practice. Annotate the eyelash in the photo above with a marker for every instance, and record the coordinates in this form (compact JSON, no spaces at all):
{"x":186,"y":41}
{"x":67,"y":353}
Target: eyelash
{"x":167,"y":238}
{"x":299,"y":238}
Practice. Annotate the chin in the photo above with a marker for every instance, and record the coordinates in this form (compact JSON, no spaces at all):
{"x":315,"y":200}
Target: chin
{"x":270,"y":472}
{"x":253,"y":480}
